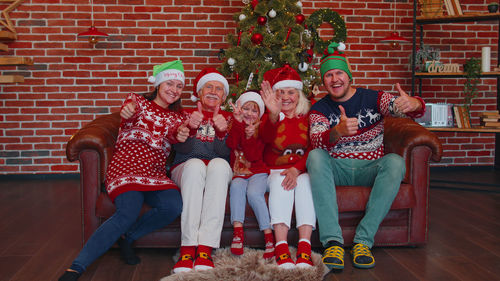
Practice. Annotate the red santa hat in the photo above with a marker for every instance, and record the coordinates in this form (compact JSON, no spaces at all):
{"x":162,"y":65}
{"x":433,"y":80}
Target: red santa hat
{"x":252,"y":96}
{"x":208,"y":74}
{"x":284,"y":77}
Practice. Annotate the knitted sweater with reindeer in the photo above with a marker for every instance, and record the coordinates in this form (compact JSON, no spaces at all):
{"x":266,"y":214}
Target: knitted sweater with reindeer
{"x":369,"y":107}
{"x":287,"y":143}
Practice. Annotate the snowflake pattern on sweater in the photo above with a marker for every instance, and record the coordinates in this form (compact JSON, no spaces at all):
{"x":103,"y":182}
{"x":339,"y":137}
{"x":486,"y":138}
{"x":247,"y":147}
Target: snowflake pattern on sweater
{"x":369,"y":107}
{"x":142,"y":148}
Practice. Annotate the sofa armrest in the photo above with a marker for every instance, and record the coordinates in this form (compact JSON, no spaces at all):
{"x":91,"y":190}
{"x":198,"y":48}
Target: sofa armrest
{"x":402,"y":135}
{"x":99,"y":135}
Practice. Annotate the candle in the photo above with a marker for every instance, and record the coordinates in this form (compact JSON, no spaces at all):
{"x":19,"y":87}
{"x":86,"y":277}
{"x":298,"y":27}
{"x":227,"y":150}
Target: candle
{"x":485,"y":59}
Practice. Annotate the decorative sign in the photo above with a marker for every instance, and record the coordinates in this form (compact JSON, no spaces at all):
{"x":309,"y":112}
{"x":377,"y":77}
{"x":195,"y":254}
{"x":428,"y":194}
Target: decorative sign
{"x":436,"y":66}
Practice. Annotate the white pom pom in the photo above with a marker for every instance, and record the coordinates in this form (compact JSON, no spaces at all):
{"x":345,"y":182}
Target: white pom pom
{"x":151,"y":79}
{"x":341,"y":47}
{"x":242,"y":17}
{"x":282,"y":116}
{"x":194,"y":98}
{"x":272,"y":13}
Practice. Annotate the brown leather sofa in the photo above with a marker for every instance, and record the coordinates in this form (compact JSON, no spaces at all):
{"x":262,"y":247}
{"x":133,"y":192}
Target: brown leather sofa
{"x":405,"y":224}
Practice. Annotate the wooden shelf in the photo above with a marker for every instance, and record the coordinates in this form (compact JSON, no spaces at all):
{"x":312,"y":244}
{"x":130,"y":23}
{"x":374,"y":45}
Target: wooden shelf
{"x":3,"y":47}
{"x":16,"y":61}
{"x":7,"y":35}
{"x":461,"y":18}
{"x":478,"y":129}
{"x":5,"y":79}
{"x":454,"y":74}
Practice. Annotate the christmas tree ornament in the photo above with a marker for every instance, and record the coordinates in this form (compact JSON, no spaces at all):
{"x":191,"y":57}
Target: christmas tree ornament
{"x":242,"y":17}
{"x":300,"y":18}
{"x":303,"y":66}
{"x":272,"y":13}
{"x":239,"y":37}
{"x":257,"y":38}
{"x":254,"y":3}
{"x":288,"y":34}
{"x":231,"y":61}
{"x":261,"y":20}
{"x":246,"y":2}
{"x":299,"y":4}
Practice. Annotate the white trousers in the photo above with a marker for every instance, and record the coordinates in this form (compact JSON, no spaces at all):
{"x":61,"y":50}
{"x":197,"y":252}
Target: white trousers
{"x":204,"y":190}
{"x":281,"y":201}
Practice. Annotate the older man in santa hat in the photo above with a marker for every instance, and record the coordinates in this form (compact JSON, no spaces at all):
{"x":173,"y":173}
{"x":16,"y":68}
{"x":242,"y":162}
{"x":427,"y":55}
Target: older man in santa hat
{"x":202,"y":171}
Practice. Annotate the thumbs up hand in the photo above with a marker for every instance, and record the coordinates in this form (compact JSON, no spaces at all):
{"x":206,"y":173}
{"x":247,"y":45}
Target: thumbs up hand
{"x":183,"y":131}
{"x":128,"y":110}
{"x":220,"y":123}
{"x":347,"y":126}
{"x":404,"y":103}
{"x":196,"y":117}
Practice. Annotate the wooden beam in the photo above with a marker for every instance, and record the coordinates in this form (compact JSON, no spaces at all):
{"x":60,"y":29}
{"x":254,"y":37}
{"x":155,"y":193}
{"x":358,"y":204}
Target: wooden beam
{"x":11,"y":79}
{"x":3,"y":47}
{"x":16,"y":61}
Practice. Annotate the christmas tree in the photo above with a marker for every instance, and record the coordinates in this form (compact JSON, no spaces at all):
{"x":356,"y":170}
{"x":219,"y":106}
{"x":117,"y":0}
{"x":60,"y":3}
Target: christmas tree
{"x":270,"y":34}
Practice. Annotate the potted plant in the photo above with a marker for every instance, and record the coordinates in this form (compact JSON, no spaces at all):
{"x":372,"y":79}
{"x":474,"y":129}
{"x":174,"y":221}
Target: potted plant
{"x":472,"y":69}
{"x":424,"y":56}
{"x":493,"y":7}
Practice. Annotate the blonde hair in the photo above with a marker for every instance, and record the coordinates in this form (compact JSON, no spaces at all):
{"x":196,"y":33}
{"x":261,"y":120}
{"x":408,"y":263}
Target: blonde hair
{"x":303,"y":105}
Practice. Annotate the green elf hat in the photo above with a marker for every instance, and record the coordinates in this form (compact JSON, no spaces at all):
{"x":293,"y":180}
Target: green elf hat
{"x":334,"y":58}
{"x":167,"y":71}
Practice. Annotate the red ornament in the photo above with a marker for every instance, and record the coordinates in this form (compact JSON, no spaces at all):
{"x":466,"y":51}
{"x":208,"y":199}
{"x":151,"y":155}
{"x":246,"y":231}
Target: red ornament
{"x":288,"y":34}
{"x":239,"y":37}
{"x":300,"y":18}
{"x":261,"y":20}
{"x":257,"y":38}
{"x":311,"y":54}
{"x":254,"y":3}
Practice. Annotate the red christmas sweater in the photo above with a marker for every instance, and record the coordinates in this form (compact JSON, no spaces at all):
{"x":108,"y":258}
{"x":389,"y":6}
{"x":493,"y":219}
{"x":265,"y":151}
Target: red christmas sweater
{"x":142,"y":148}
{"x":287,"y":143}
{"x":246,"y":154}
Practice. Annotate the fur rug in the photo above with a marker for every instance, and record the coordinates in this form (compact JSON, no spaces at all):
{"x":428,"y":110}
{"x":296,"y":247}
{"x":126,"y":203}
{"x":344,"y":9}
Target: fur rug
{"x":251,"y":266}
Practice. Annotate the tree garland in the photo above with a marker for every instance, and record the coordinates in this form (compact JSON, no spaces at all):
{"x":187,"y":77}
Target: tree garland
{"x":334,"y":19}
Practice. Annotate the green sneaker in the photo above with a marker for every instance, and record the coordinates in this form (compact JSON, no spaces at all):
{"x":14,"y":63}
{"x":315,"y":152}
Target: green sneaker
{"x":333,"y":257}
{"x":362,"y":256}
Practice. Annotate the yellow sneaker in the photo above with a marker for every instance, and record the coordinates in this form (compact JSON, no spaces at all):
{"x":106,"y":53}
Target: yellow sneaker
{"x":362,"y":256}
{"x":333,"y":257}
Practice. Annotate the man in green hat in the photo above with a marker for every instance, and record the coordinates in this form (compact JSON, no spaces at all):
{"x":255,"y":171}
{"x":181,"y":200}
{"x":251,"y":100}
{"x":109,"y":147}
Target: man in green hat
{"x":347,"y":134}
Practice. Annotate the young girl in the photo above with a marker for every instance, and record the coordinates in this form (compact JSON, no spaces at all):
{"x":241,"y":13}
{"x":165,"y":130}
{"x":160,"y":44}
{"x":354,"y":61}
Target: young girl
{"x":250,"y":172}
{"x":137,"y":172}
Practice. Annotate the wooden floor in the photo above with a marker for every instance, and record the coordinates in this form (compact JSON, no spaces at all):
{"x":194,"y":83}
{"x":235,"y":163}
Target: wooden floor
{"x":40,"y":235}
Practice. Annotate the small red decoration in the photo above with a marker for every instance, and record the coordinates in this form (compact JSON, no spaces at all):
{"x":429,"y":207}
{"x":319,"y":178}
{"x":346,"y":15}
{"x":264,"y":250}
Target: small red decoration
{"x":257,"y":38}
{"x":300,"y":18}
{"x":254,"y":3}
{"x":261,"y":20}
{"x":288,"y":34}
{"x":239,"y":37}
{"x":310,"y":52}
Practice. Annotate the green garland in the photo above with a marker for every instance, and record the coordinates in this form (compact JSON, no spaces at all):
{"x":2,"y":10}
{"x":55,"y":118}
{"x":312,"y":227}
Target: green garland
{"x":334,"y":19}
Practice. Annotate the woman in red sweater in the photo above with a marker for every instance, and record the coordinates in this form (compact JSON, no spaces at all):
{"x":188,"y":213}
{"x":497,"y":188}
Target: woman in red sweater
{"x":286,"y":135}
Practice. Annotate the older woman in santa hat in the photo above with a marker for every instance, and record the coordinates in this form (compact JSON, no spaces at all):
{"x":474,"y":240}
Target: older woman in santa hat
{"x":202,"y":172}
{"x":286,"y":135}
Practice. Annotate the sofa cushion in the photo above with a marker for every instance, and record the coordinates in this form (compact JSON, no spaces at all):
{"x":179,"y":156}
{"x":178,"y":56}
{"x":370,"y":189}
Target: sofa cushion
{"x":349,"y":198}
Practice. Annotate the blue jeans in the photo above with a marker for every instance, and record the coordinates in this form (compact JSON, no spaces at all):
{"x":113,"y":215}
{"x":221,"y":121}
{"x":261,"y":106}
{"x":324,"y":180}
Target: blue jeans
{"x":254,"y":189}
{"x":166,"y":205}
{"x":384,"y":175}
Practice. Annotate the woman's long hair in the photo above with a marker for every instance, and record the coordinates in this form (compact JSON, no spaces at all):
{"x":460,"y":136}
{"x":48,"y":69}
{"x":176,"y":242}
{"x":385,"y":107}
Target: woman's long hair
{"x":303,"y":105}
{"x":176,"y":106}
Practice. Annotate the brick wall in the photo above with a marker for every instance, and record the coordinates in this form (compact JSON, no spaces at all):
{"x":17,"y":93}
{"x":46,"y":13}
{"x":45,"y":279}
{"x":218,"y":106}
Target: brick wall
{"x":71,"y":83}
